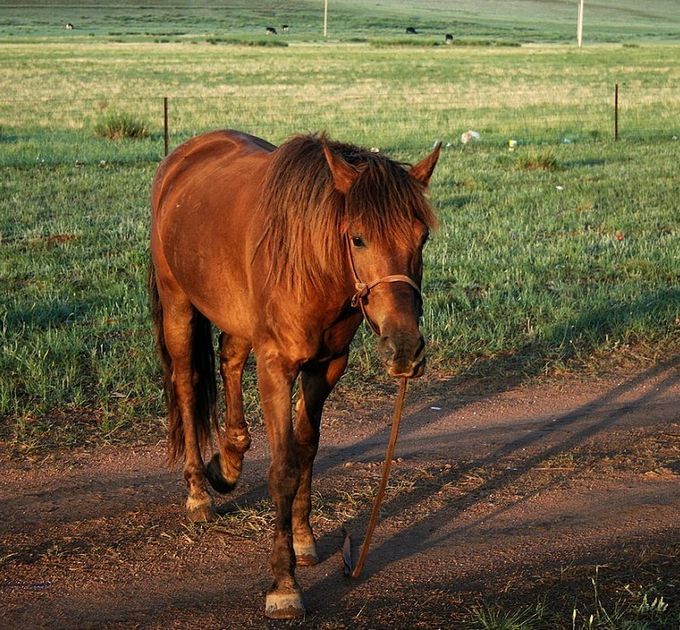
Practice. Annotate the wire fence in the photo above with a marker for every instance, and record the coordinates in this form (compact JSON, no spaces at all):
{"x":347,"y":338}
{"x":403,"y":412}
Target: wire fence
{"x":62,"y":131}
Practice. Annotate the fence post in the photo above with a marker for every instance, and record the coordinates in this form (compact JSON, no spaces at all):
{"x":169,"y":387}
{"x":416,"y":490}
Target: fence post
{"x":165,"y":124}
{"x":616,"y":112}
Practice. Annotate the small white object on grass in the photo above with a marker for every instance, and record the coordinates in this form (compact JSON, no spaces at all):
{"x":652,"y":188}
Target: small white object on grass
{"x":512,"y":145}
{"x":436,"y":408}
{"x":559,"y":187}
{"x":470,"y":136}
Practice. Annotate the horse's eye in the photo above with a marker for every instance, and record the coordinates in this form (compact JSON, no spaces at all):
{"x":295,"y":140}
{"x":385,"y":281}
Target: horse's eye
{"x":357,"y":241}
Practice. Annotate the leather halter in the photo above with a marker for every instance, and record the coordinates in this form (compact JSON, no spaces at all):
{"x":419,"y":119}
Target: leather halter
{"x":364,"y":288}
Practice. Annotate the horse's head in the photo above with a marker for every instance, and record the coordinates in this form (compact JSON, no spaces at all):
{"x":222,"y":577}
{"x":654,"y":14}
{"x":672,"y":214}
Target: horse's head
{"x":386,"y":223}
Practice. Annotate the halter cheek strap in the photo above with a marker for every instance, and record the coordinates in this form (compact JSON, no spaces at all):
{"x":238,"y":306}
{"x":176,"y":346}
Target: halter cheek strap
{"x":364,"y":288}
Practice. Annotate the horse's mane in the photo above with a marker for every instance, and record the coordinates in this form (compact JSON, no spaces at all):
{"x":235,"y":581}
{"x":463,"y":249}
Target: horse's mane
{"x":304,"y":216}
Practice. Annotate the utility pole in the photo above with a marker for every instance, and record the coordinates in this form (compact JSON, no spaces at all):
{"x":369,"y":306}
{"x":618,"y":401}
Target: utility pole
{"x":579,"y":26}
{"x":325,"y":18}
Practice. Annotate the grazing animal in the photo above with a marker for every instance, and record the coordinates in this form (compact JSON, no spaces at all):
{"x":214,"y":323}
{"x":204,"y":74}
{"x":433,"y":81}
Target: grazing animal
{"x":282,"y":249}
{"x":411,"y":31}
{"x":271,"y":30}
{"x":284,"y":28}
{"x":69,"y":26}
{"x":449,"y":38}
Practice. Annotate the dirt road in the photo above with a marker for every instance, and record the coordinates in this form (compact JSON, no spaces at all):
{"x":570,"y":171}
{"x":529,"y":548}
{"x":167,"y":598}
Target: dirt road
{"x":503,"y":497}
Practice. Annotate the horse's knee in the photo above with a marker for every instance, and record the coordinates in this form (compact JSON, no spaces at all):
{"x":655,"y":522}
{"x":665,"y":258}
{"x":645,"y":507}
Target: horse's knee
{"x":237,"y":439}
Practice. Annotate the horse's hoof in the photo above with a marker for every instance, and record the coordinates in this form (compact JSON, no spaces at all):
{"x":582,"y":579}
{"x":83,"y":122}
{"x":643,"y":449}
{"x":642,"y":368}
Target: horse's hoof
{"x":305,"y":554}
{"x":217,"y":480}
{"x":201,"y":511}
{"x":284,"y":605}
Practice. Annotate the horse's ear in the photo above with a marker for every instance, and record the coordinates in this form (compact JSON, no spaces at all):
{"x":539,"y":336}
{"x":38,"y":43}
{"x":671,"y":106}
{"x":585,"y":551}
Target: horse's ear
{"x":344,"y":174}
{"x":424,"y":169}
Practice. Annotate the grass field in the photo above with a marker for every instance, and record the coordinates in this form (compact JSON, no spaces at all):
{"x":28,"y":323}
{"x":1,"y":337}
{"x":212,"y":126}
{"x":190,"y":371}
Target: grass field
{"x":561,"y":253}
{"x":349,"y":20}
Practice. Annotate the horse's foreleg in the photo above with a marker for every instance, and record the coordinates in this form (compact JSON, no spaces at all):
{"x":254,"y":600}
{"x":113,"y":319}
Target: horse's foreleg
{"x":224,"y":469}
{"x":177,"y":330}
{"x":275,"y":380}
{"x":317,"y":383}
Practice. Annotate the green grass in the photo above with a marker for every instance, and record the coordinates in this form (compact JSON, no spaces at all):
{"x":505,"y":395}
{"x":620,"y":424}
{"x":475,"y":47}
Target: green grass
{"x":557,"y":253}
{"x":518,"y":21}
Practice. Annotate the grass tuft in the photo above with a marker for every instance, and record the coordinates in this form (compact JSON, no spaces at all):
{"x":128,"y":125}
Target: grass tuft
{"x":269,"y":42}
{"x":537,"y":161}
{"x":116,"y":125}
{"x":492,"y":617}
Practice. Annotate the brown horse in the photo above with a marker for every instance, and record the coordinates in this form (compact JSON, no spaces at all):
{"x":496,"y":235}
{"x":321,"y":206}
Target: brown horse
{"x":269,"y":245}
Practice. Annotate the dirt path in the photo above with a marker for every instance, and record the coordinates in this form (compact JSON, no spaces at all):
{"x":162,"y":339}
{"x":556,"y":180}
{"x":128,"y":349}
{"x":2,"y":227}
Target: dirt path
{"x":507,"y":497}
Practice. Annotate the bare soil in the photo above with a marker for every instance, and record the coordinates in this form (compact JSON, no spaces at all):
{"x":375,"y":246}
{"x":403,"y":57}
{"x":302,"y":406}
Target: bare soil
{"x":510,"y":496}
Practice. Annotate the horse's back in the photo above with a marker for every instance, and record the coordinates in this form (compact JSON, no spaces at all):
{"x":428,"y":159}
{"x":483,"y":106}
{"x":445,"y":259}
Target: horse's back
{"x":205,"y":198}
{"x":209,"y":152}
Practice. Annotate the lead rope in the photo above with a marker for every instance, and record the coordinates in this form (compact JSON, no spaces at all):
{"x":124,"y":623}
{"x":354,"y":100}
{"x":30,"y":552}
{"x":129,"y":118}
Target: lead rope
{"x":389,"y":456}
{"x":362,"y":290}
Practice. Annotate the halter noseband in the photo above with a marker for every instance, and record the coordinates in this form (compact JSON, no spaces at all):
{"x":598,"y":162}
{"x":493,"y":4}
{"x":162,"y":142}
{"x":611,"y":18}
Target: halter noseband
{"x":364,"y":288}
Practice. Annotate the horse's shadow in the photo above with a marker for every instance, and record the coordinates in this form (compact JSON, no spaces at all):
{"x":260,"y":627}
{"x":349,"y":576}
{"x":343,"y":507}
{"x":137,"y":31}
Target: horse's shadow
{"x":582,"y":424}
{"x":607,"y":408}
{"x":433,"y":528}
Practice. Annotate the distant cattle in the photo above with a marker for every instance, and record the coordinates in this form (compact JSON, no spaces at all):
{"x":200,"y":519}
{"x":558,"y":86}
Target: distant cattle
{"x":449,"y":38}
{"x":69,"y":26}
{"x":284,"y":28}
{"x":271,"y":30}
{"x":410,"y":30}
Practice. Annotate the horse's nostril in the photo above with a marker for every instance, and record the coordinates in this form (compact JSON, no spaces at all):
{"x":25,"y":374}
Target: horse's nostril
{"x":401,"y":351}
{"x":387,"y":349}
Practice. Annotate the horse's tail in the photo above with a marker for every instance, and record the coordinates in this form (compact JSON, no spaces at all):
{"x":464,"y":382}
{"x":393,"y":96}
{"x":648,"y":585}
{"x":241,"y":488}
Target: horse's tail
{"x":203,"y":363}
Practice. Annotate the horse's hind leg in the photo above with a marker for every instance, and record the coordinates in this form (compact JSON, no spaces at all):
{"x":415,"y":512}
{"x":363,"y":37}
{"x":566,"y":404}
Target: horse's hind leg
{"x":224,"y":469}
{"x":317,"y":383}
{"x":189,"y":431}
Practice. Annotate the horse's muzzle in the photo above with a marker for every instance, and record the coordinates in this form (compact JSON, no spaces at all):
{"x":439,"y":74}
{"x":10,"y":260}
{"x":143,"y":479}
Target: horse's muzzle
{"x":403,"y":354}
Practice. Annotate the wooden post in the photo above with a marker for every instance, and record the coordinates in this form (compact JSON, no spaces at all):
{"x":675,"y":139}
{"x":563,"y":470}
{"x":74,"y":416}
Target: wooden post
{"x":165,"y":124}
{"x":325,"y":18}
{"x":616,"y":112}
{"x":579,"y":24}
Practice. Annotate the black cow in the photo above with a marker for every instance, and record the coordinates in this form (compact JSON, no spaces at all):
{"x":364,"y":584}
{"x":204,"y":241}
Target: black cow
{"x":271,"y":30}
{"x":411,"y":31}
{"x":284,"y":28}
{"x":69,"y":26}
{"x":449,"y":38}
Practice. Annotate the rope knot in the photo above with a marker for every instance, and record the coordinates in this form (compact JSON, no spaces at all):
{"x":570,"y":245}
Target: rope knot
{"x":362,"y":292}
